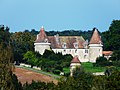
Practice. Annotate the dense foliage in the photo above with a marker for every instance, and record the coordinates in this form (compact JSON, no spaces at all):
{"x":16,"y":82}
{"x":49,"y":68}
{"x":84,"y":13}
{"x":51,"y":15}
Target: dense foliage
{"x":112,"y":41}
{"x":102,"y":62}
{"x":22,"y":42}
{"x":112,"y":36}
{"x":8,"y":80}
{"x":49,"y":61}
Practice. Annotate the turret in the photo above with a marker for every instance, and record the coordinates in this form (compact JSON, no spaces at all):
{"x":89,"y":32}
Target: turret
{"x":95,"y":46}
{"x":74,"y":63}
{"x":41,"y":42}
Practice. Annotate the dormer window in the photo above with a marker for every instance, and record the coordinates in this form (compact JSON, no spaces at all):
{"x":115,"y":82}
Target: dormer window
{"x":46,"y":40}
{"x":85,"y":44}
{"x":76,"y":45}
{"x":64,"y":45}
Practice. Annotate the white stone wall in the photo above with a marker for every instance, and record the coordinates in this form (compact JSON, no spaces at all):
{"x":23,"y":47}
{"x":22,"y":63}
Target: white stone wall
{"x":83,"y":54}
{"x":40,"y":47}
{"x":95,"y":50}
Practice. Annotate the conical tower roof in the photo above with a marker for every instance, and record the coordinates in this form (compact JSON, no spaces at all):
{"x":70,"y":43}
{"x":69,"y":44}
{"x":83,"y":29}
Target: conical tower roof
{"x":96,"y":39}
{"x":41,"y":37}
{"x":75,"y":60}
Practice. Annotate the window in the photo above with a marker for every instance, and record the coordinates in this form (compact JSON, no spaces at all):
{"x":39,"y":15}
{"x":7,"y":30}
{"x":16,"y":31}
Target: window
{"x":75,"y":50}
{"x":64,"y":45}
{"x":86,"y":51}
{"x":76,"y":45}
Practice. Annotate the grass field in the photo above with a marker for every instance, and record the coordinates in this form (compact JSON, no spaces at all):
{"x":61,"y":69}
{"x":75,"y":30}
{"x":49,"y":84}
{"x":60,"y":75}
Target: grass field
{"x":66,"y":70}
{"x":88,"y":67}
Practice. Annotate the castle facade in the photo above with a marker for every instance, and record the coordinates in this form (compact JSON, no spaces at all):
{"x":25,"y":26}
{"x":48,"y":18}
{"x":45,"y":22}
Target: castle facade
{"x":74,"y":45}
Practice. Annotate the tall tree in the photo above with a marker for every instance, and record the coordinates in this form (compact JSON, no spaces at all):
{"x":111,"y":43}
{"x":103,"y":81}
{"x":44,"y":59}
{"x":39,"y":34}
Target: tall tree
{"x":22,"y":42}
{"x":112,"y":36}
{"x":6,"y":60}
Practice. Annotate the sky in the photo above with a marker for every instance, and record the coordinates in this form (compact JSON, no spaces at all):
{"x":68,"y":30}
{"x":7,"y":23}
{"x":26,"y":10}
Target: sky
{"x":58,"y":15}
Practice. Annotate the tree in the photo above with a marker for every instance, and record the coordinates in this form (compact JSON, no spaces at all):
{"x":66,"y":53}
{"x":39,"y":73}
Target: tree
{"x":113,"y":81}
{"x":39,"y":86}
{"x":6,"y":61}
{"x":22,"y":42}
{"x":112,"y":36}
{"x":99,"y":83}
{"x":31,"y":58}
{"x":115,"y":56}
{"x":102,"y":61}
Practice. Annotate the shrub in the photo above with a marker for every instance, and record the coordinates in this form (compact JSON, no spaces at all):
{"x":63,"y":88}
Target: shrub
{"x":102,"y":61}
{"x":56,"y":72}
{"x":116,"y":63}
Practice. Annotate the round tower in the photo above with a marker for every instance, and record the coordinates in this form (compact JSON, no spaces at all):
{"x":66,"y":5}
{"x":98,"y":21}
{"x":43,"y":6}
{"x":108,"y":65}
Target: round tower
{"x":41,"y":42}
{"x":74,"y":63}
{"x":95,"y":46}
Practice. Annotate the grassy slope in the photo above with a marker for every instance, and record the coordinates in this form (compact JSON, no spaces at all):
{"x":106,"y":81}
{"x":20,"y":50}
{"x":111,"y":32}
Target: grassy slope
{"x":88,"y":67}
{"x":66,"y":70}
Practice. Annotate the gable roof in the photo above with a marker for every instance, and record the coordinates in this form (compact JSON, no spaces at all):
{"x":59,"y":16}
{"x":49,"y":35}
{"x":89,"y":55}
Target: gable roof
{"x":96,"y":39}
{"x":75,"y":60}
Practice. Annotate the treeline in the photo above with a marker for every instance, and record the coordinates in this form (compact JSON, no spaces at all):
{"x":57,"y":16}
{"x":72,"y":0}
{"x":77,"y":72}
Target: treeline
{"x":85,"y":34}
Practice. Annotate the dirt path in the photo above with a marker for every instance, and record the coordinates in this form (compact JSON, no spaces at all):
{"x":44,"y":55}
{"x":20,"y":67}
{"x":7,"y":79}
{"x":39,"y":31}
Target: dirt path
{"x":28,"y":75}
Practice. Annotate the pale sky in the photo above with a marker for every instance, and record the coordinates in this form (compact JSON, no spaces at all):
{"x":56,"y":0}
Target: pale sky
{"x":58,"y":14}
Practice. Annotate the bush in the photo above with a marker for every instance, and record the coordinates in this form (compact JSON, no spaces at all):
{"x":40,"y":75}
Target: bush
{"x":58,"y":67}
{"x":67,"y":74}
{"x":116,"y":63}
{"x":56,"y":72}
{"x":102,"y":61}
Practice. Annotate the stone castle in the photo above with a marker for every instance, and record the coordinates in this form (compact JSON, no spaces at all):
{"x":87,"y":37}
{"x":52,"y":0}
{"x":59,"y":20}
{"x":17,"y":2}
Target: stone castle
{"x":74,"y":45}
